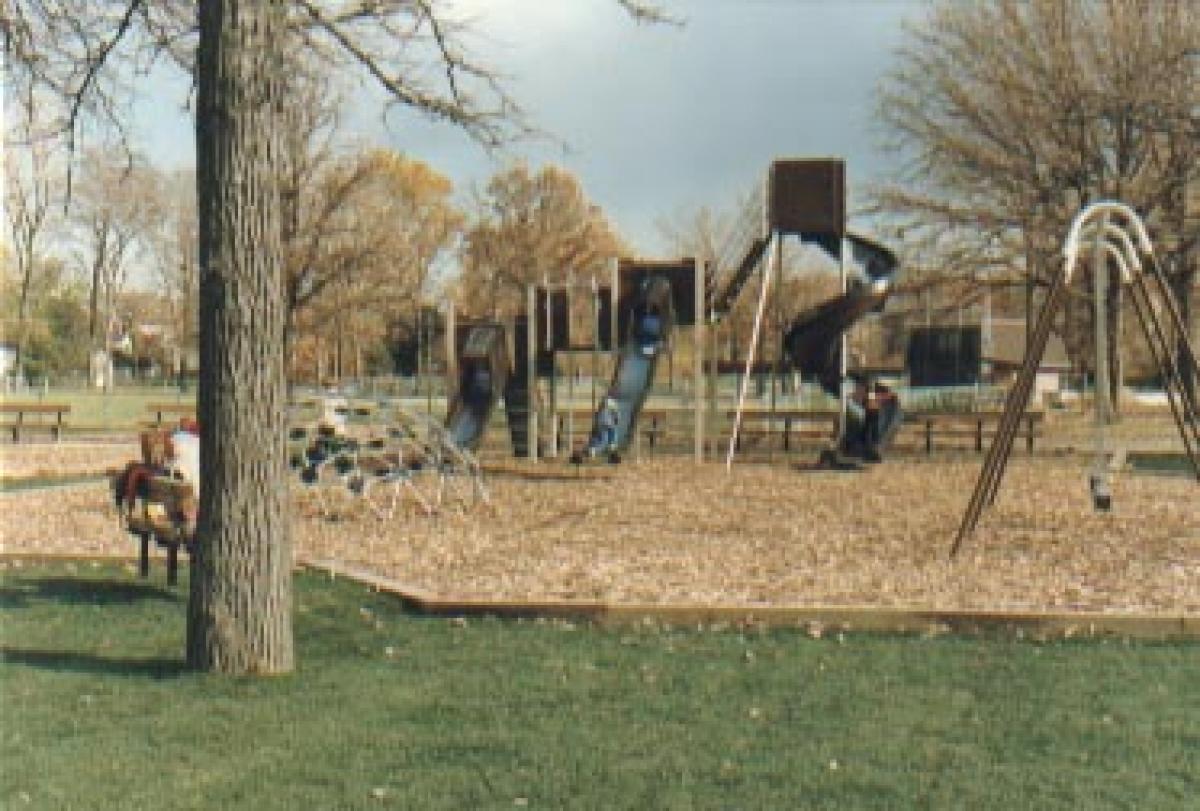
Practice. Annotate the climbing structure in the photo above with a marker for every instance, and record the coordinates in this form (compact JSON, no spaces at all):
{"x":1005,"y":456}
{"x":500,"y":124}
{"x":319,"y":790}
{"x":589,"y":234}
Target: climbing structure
{"x":806,"y":199}
{"x":1109,"y":231}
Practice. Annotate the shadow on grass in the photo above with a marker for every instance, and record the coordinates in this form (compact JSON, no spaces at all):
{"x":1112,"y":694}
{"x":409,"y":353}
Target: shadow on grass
{"x":79,"y":662}
{"x":19,"y":593}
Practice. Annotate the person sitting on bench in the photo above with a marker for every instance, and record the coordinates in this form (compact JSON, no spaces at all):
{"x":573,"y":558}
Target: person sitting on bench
{"x":862,"y":423}
{"x":888,"y":414}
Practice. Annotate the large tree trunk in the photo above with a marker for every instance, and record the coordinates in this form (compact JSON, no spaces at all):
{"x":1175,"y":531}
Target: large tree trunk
{"x":239,"y":614}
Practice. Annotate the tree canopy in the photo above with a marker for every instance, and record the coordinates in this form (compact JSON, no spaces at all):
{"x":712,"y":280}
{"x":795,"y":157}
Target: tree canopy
{"x":1009,"y":115}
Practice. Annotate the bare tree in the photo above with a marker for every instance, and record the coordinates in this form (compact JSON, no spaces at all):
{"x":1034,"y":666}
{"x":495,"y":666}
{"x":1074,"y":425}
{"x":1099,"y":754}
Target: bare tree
{"x":239,"y":617}
{"x":27,"y":197}
{"x":174,"y":246}
{"x":115,"y":203}
{"x":1012,"y":114}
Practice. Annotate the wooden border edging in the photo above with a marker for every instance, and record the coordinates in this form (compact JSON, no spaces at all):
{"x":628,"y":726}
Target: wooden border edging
{"x":816,"y":619}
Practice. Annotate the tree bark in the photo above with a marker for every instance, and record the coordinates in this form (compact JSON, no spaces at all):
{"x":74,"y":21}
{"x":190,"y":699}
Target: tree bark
{"x":239,"y":613}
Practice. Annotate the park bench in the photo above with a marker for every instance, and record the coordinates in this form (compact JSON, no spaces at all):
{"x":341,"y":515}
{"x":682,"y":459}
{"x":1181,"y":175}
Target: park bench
{"x":822,"y":424}
{"x":786,"y":423}
{"x":651,"y":426}
{"x":977,"y":426}
{"x":156,"y":519}
{"x":36,"y":416}
{"x":172,"y":411}
{"x":159,"y":513}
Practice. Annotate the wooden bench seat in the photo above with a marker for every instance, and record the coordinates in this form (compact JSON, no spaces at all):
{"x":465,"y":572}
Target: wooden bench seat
{"x":173,"y":412}
{"x":155,"y":520}
{"x":793,"y":426}
{"x":163,"y":513}
{"x":976,"y":426}
{"x":37,"y":416}
{"x":787,"y":423}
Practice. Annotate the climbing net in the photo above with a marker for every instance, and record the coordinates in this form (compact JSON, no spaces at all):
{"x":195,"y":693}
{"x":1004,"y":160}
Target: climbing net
{"x":398,"y":458}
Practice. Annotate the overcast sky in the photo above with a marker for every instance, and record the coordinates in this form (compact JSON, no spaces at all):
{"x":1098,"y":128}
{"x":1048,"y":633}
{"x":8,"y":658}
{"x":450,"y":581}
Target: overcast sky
{"x":659,"y":120}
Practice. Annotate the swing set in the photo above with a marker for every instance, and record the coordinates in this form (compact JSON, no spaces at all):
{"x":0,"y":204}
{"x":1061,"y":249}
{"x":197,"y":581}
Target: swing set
{"x":1114,"y":235}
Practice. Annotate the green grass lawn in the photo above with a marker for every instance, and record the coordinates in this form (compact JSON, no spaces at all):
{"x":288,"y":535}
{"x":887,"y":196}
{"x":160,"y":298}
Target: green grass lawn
{"x":390,"y":710}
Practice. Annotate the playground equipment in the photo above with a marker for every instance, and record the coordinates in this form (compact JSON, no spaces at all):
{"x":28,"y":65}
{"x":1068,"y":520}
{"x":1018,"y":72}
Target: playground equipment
{"x":1113,"y":231}
{"x":814,"y":345}
{"x":806,"y":198}
{"x":653,"y":298}
{"x":402,"y":453}
{"x":651,"y":316}
{"x":483,"y":373}
{"x":646,"y":305}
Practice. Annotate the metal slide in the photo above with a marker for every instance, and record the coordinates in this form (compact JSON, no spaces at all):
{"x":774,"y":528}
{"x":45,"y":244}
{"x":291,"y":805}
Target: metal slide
{"x":651,"y":318}
{"x":813,"y":343}
{"x":482,"y":376}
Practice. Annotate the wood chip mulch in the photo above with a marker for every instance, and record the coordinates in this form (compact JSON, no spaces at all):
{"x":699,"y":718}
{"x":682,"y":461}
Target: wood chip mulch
{"x":670,"y":531}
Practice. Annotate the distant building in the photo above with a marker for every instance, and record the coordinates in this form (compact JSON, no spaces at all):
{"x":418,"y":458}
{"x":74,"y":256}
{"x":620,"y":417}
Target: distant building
{"x":945,"y":356}
{"x":985,"y":352}
{"x":1004,"y":353}
{"x":8,"y":359}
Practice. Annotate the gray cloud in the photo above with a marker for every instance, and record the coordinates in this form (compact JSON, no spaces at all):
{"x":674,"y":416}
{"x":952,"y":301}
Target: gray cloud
{"x":661,"y":119}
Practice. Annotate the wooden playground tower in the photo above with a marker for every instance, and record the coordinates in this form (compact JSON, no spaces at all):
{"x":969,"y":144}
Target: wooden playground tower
{"x":1114,"y":236}
{"x":545,"y":328}
{"x":806,"y":199}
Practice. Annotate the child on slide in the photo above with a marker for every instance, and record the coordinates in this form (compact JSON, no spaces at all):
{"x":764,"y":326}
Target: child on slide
{"x":606,"y":422}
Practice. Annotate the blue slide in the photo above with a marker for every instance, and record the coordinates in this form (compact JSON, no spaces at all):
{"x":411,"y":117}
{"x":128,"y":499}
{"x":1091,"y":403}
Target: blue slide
{"x":651,"y":317}
{"x":483,"y":375}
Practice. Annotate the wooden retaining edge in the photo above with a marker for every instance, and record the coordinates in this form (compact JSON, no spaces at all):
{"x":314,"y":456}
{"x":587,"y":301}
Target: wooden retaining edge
{"x":817,"y":620}
{"x":35,"y":558}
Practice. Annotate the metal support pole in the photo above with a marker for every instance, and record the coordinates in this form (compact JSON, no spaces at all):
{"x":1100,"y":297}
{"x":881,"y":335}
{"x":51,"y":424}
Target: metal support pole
{"x":531,"y":373}
{"x":1185,"y":422}
{"x":1099,"y":478}
{"x":844,"y":346}
{"x":451,"y":352}
{"x":1172,"y":376}
{"x":1010,"y":422}
{"x":776,"y":334}
{"x":698,"y":335}
{"x":1176,"y":319}
{"x":1018,"y":395}
{"x":758,"y":317}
